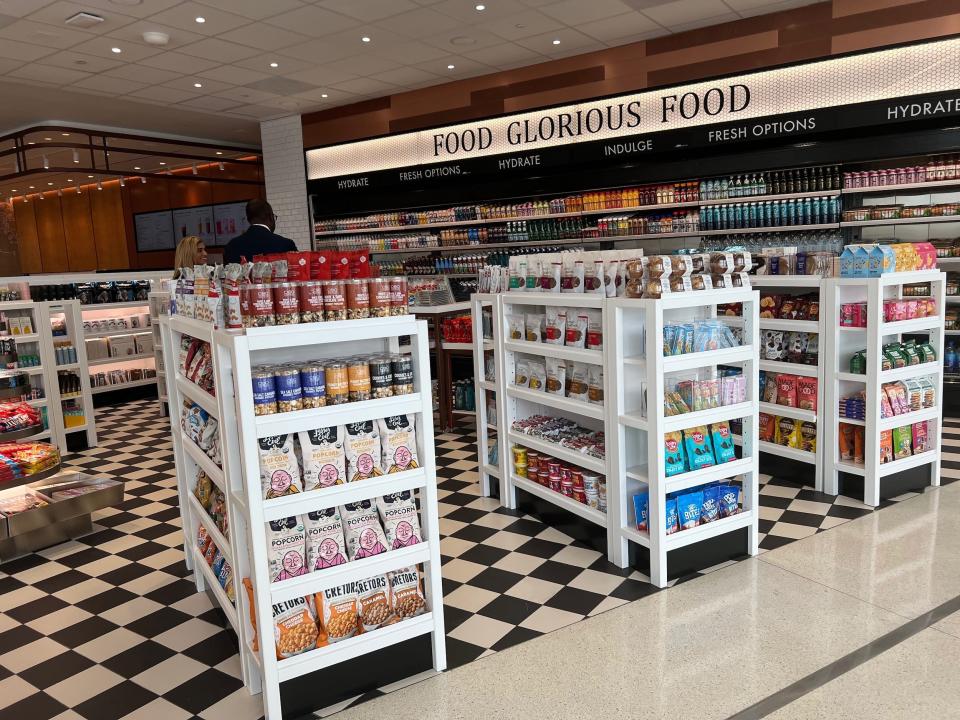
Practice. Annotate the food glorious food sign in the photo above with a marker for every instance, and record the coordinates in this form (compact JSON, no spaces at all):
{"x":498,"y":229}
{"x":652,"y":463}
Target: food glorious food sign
{"x":885,"y":74}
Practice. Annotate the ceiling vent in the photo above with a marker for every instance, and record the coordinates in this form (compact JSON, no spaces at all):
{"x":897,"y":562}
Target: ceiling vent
{"x":84,"y":20}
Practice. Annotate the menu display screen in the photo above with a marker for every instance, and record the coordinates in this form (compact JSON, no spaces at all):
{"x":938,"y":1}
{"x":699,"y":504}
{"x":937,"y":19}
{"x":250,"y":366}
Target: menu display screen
{"x":216,"y":225}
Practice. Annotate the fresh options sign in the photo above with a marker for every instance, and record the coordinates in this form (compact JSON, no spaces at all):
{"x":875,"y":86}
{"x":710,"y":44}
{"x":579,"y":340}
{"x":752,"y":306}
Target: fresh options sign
{"x":927,"y":68}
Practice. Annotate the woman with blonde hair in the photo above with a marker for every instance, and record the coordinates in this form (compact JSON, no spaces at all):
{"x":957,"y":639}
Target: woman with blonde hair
{"x":191,"y":251}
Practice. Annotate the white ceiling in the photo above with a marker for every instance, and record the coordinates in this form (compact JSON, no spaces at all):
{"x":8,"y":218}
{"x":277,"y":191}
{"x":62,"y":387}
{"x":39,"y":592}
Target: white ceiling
{"x":321,"y":60}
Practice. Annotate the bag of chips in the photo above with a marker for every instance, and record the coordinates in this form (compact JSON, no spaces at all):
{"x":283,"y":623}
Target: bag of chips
{"x":324,"y":537}
{"x":671,"y":522}
{"x":710,"y":509}
{"x":787,"y":390}
{"x":398,"y":441}
{"x":338,"y":613}
{"x":641,"y":510}
{"x":722,"y":438}
{"x":204,"y":489}
{"x":286,"y":550}
{"x":322,"y":457}
{"x":807,"y":393}
{"x":406,"y":593}
{"x":688,"y":509}
{"x":295,"y":628}
{"x":773,"y":346}
{"x":398,"y":511}
{"x":361,"y":529}
{"x":698,"y":447}
{"x":787,"y":429}
{"x":673,"y":453}
{"x":279,"y":471}
{"x":362,"y":448}
{"x":729,"y":496}
{"x":808,"y":436}
{"x":373,"y":602}
{"x":767,"y":427}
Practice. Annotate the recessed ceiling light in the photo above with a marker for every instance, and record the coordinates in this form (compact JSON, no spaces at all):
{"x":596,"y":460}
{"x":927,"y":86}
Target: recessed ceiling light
{"x":219,"y":152}
{"x":163,"y":163}
{"x":136,"y":167}
{"x":68,"y":180}
{"x":480,"y":8}
{"x":274,"y":64}
{"x":116,"y":50}
{"x":89,"y":176}
{"x":198,"y":85}
{"x":323,"y":95}
{"x":556,"y":42}
{"x":31,"y":143}
{"x":365,"y":38}
{"x":201,"y":19}
{"x":450,"y":67}
{"x":48,"y":139}
{"x":31,"y":187}
{"x":50,"y":183}
{"x":65,"y":134}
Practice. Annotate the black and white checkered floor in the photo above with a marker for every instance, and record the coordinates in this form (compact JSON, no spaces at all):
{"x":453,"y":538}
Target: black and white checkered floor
{"x":110,"y":626}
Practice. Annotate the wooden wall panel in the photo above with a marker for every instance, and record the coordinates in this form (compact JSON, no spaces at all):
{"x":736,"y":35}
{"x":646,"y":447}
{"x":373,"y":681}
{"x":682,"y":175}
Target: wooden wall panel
{"x":53,"y":245}
{"x":27,"y":237}
{"x":106,"y":210}
{"x":78,"y":231}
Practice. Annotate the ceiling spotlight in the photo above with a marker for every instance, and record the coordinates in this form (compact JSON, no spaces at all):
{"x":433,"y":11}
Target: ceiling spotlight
{"x":163,"y":163}
{"x":122,"y":183}
{"x":41,"y":196}
{"x":136,"y":167}
{"x":99,"y":185}
{"x":48,"y":139}
{"x":201,"y":20}
{"x":365,"y":39}
{"x":31,"y":143}
{"x":31,"y":187}
{"x":76,"y":156}
{"x":116,"y":50}
{"x":219,"y":152}
{"x":143,"y":181}
{"x":69,"y":179}
{"x":78,"y":189}
{"x":90,"y":177}
{"x":14,"y":190}
{"x":194,"y":168}
{"x":273,"y":64}
{"x":46,"y":163}
{"x":450,"y":67}
{"x":556,"y":42}
{"x":480,"y":8}
{"x":198,"y":85}
{"x":65,"y":134}
{"x":324,"y":95}
{"x":220,"y":164}
{"x":49,"y":184}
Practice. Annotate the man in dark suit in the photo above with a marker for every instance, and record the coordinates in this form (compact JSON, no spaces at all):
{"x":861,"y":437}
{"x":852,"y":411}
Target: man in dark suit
{"x":259,"y":237}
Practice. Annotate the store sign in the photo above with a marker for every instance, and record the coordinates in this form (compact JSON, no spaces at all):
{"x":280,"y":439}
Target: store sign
{"x":626,"y":123}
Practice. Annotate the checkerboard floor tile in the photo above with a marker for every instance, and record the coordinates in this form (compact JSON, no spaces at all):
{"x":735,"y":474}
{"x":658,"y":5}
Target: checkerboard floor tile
{"x":110,"y":626}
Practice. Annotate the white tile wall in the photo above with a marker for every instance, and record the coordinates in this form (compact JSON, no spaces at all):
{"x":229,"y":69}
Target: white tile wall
{"x":286,"y":179}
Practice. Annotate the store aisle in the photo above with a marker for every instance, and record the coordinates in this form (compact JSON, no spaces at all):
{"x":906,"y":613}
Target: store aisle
{"x":119,"y":612}
{"x":822,"y":628}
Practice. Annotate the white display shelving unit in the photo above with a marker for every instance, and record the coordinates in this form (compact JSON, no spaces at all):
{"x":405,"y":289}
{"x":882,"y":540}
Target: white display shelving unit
{"x":484,"y":389}
{"x":143,"y":361}
{"x":234,"y":355}
{"x":636,"y":441}
{"x":34,"y":344}
{"x":69,"y":310}
{"x":519,"y":403}
{"x":160,"y":307}
{"x":843,"y":343}
{"x":796,"y":285}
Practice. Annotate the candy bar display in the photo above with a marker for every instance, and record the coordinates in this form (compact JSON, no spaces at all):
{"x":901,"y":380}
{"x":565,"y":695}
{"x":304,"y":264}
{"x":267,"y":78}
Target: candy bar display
{"x":120,"y":377}
{"x":896,"y":355}
{"x":313,"y":384}
{"x":576,"y":380}
{"x":19,"y":416}
{"x":690,"y":508}
{"x":801,"y":348}
{"x":563,"y":432}
{"x":22,"y":459}
{"x":457,"y":329}
{"x":855,"y":314}
{"x":937,"y":169}
{"x":570,"y":481}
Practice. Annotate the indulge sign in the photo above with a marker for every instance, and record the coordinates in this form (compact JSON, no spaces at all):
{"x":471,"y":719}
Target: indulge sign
{"x":631,"y":122}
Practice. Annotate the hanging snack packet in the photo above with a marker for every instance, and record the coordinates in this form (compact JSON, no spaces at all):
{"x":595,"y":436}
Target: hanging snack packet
{"x":556,"y":376}
{"x":671,"y":523}
{"x":729,"y":496}
{"x":902,"y":437}
{"x":710,"y":509}
{"x":373,"y":602}
{"x":921,"y":437}
{"x":322,"y":457}
{"x":886,"y":446}
{"x":538,"y":375}
{"x":406,"y":593}
{"x":673,"y":453}
{"x":722,"y":438}
{"x":533,"y":323}
{"x":286,"y":548}
{"x":688,"y":509}
{"x":556,"y":326}
{"x":398,"y":440}
{"x":641,"y":511}
{"x":324,"y":533}
{"x":697,"y":446}
{"x":362,"y":448}
{"x":362,"y":531}
{"x":295,"y":626}
{"x":338,"y":611}
{"x":398,"y":511}
{"x":279,"y":471}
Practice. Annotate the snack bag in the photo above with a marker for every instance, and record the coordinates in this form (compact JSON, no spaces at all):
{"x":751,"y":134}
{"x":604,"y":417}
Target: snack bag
{"x":324,"y":534}
{"x":576,"y":335}
{"x":921,"y":437}
{"x":533,"y":324}
{"x":204,"y":489}
{"x":698,"y":447}
{"x":769,"y":393}
{"x":671,"y":522}
{"x":886,"y":446}
{"x":398,"y":441}
{"x":362,"y":531}
{"x":767,"y":427}
{"x":322,"y":457}
{"x":808,"y":436}
{"x":858,"y":444}
{"x":398,"y":511}
{"x":521,"y":373}
{"x":295,"y":626}
{"x":729,"y":500}
{"x":641,"y":509}
{"x":373,"y":602}
{"x":902,"y":437}
{"x":787,"y":432}
{"x":556,"y":326}
{"x":710,"y":509}
{"x":787,"y":390}
{"x":688,"y":509}
{"x":578,"y":382}
{"x":279,"y":471}
{"x":673,"y":452}
{"x":807,"y":393}
{"x":538,"y":375}
{"x":338,"y":612}
{"x":556,"y":376}
{"x":722,"y":438}
{"x":362,"y":448}
{"x":286,"y":550}
{"x":406,"y":593}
